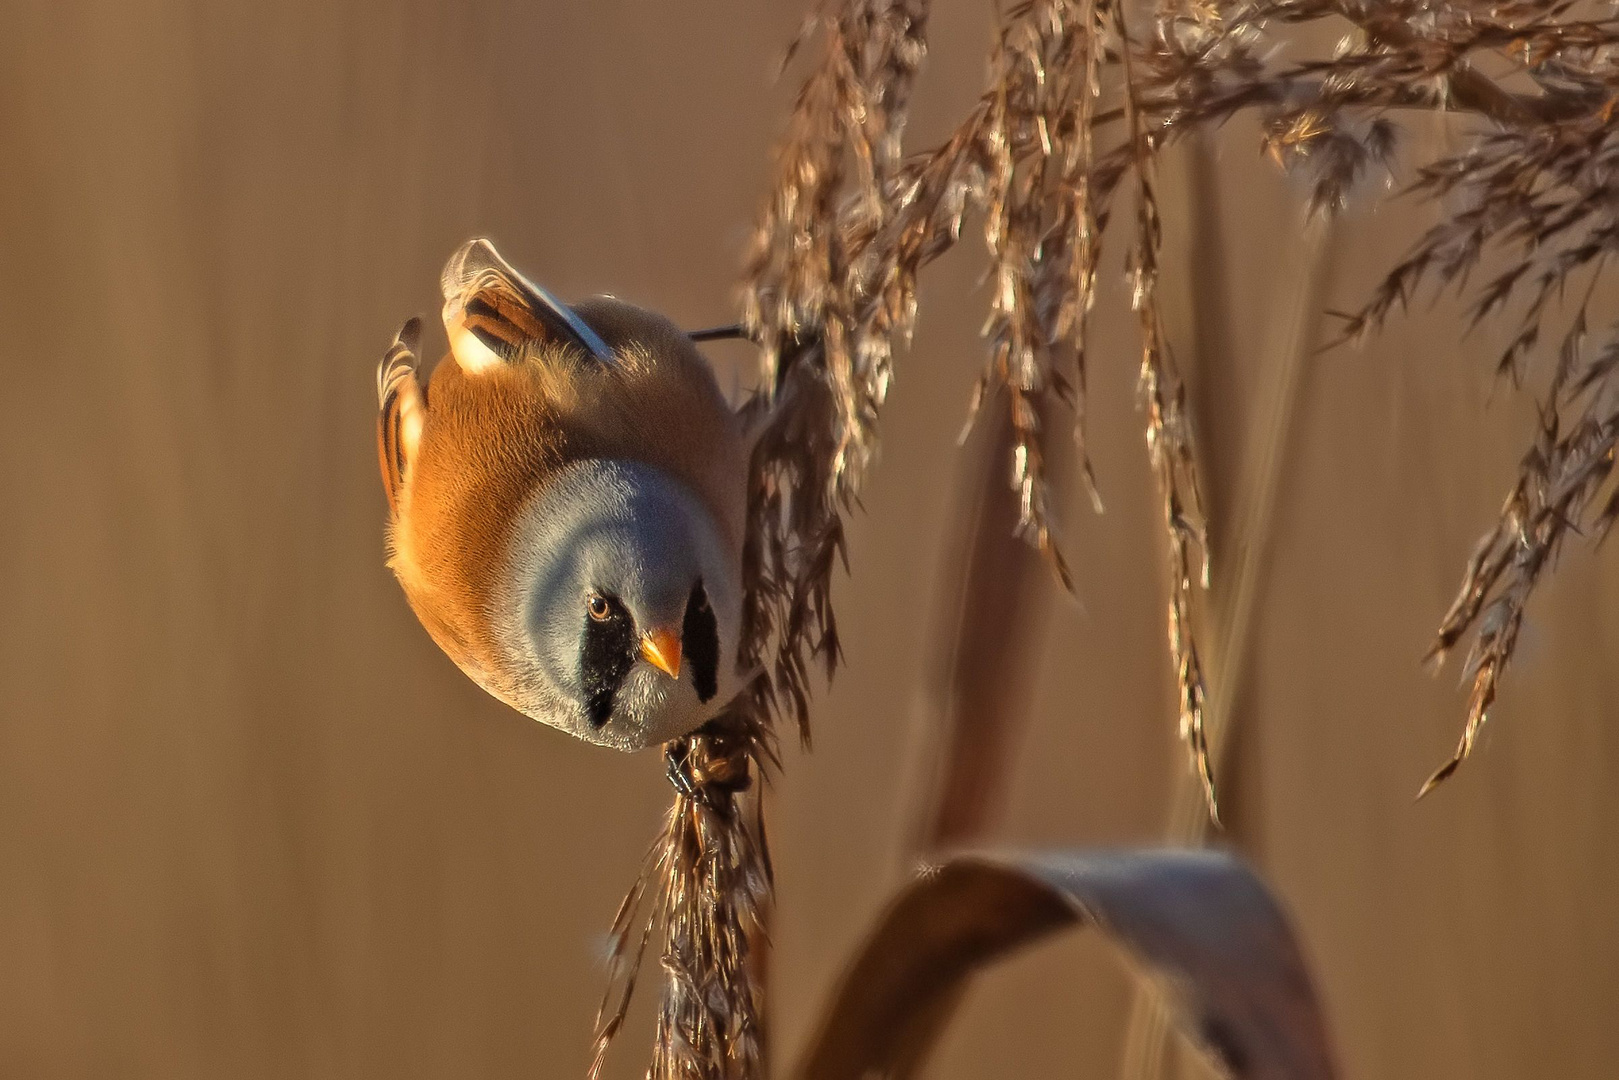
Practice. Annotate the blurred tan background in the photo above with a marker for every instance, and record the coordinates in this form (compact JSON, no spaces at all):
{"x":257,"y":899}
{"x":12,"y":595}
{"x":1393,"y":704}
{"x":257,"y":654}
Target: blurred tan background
{"x":252,"y":824}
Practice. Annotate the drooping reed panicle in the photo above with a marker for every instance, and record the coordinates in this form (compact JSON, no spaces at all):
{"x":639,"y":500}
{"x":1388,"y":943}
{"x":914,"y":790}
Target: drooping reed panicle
{"x":830,"y":296}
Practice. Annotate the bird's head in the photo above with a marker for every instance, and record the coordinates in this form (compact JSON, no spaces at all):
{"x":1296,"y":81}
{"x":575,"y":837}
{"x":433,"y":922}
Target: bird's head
{"x":629,"y":609}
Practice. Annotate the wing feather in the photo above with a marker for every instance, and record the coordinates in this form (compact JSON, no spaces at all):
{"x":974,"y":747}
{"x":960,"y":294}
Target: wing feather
{"x":401,"y":411}
{"x":492,"y":312}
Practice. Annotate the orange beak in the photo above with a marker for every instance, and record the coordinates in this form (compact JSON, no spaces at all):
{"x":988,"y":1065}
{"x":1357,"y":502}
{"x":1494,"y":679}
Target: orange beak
{"x":661,"y":649}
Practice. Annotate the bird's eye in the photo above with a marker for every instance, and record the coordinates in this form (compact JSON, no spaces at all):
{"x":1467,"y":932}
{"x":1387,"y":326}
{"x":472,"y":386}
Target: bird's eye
{"x":600,"y":607}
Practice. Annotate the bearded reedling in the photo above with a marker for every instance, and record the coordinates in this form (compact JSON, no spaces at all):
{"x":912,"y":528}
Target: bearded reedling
{"x":567,"y":498}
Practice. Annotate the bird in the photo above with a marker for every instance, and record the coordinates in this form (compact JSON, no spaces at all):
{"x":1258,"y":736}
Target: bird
{"x":567,"y":499}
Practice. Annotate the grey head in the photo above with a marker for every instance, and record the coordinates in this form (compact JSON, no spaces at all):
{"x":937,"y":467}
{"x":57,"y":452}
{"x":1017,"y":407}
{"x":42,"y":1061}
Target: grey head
{"x":623,"y":607}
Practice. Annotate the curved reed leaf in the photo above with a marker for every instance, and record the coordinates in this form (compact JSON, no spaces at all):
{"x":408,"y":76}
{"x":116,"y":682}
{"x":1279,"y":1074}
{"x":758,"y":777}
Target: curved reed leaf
{"x":1199,"y":922}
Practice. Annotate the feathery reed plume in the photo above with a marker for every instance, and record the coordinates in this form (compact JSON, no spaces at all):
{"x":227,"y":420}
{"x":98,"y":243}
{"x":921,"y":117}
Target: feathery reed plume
{"x":1169,"y":443}
{"x":831,"y":294}
{"x":1534,"y":188}
{"x":1535,"y":194}
{"x":710,"y":883}
{"x":1039,"y":225}
{"x":827,"y":321}
{"x":827,"y":337}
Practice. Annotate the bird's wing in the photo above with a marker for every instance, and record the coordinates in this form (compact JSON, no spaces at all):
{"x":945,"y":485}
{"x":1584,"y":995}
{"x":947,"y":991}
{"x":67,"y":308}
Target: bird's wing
{"x":401,"y":410}
{"x":493,"y":313}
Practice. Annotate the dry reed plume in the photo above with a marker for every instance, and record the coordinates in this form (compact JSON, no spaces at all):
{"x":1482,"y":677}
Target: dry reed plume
{"x":1082,"y":97}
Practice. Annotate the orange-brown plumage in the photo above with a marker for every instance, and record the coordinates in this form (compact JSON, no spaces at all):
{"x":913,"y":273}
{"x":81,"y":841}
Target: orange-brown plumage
{"x":491,"y":438}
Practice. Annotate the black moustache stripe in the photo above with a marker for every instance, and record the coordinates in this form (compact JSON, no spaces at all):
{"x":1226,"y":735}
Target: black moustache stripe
{"x":700,"y":643}
{"x":605,"y":660}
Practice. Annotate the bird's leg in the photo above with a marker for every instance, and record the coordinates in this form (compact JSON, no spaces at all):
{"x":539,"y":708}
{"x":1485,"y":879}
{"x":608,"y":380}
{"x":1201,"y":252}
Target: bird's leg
{"x":677,"y":766}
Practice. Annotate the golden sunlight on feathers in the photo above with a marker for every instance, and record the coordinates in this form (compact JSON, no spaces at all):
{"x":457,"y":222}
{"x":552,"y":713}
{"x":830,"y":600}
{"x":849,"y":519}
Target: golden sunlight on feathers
{"x":528,"y":396}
